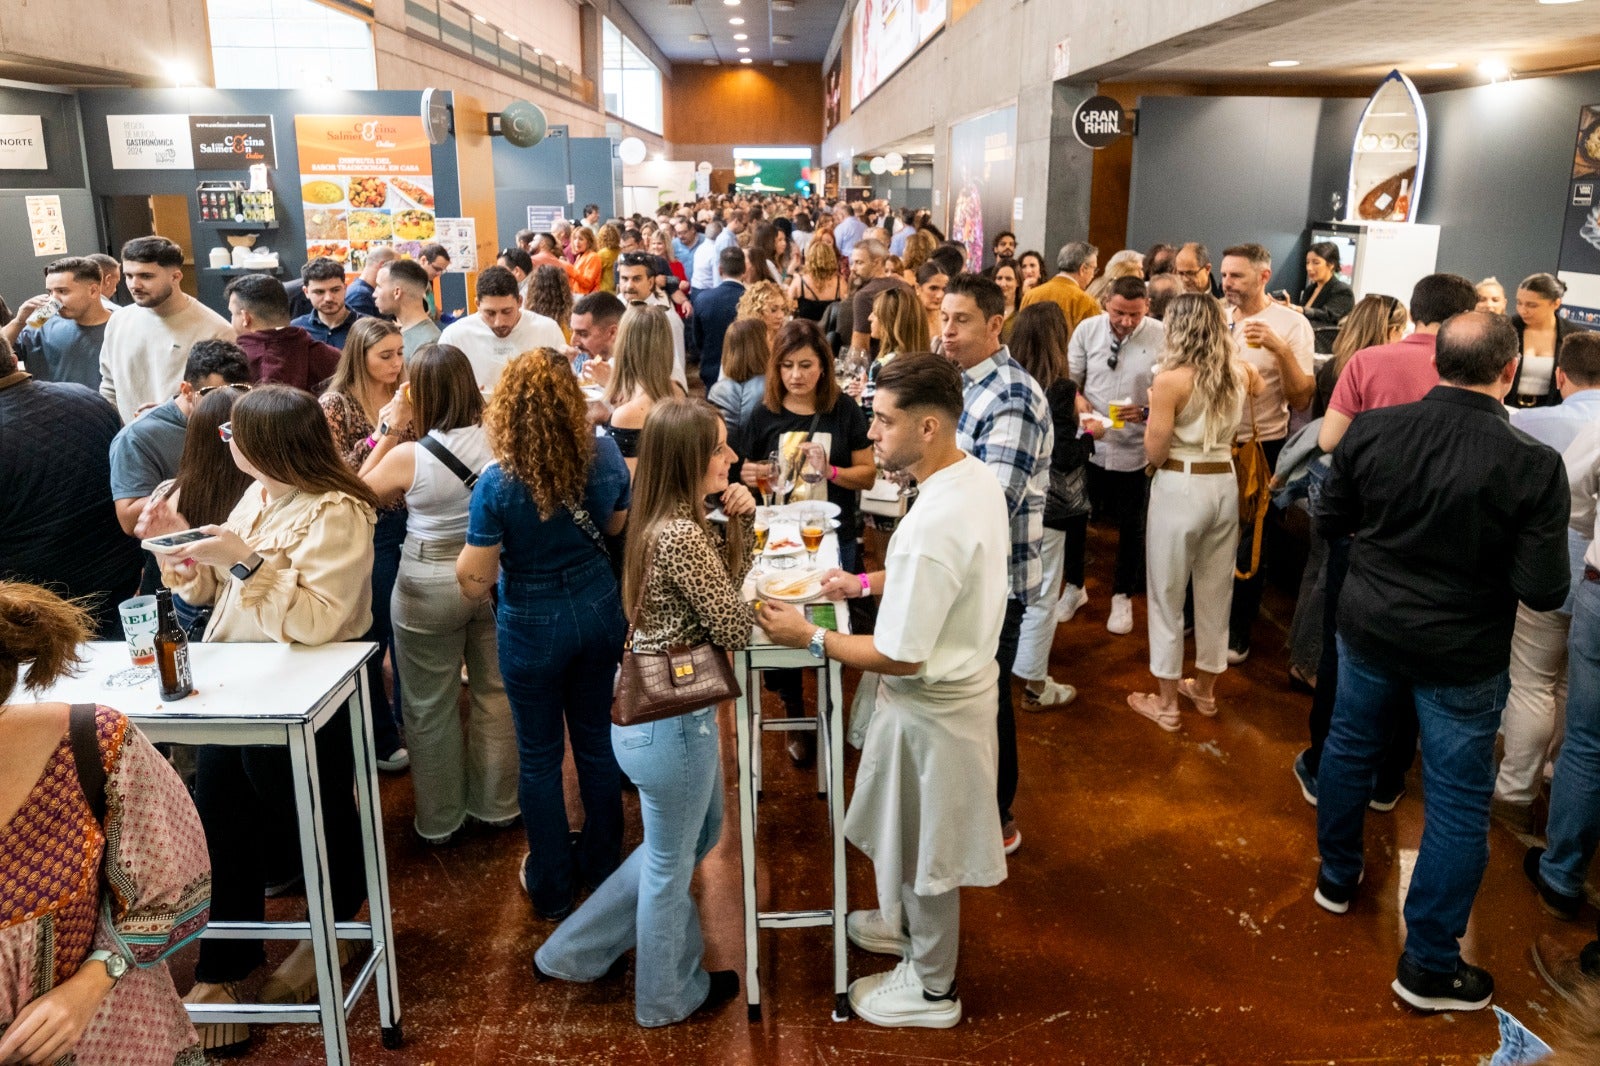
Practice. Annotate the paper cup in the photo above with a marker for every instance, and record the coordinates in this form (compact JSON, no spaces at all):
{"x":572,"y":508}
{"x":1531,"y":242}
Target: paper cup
{"x":139,"y":625}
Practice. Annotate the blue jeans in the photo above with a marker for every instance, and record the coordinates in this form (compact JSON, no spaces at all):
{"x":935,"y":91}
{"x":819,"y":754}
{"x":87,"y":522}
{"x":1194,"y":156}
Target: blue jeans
{"x":1574,"y":828}
{"x":560,"y":641}
{"x":1458,"y":725}
{"x":646,"y":904}
{"x":387,"y":539}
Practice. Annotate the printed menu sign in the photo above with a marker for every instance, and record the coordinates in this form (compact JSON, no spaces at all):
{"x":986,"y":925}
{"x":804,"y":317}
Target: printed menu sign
{"x":150,"y":142}
{"x":22,"y":143}
{"x":232,"y":142}
{"x":44,"y":223}
{"x":366,"y":181}
{"x":460,"y":238}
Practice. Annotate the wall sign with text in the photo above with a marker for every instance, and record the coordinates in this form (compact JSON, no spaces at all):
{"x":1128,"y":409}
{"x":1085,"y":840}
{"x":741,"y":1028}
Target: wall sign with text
{"x":150,"y":142}
{"x":232,"y":142}
{"x":22,"y":143}
{"x":1098,"y":122}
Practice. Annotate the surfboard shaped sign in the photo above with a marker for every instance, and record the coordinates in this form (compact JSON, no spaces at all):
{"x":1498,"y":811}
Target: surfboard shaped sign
{"x":1388,"y":156}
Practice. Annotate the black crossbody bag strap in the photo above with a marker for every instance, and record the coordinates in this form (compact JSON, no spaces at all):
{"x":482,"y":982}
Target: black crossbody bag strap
{"x":448,"y":458}
{"x":86,"y":754}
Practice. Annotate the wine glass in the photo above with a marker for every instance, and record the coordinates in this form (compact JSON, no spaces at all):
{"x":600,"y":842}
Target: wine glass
{"x":813,"y":525}
{"x":763,"y":524}
{"x":811,"y":470}
{"x":781,"y":476}
{"x":764,"y":477}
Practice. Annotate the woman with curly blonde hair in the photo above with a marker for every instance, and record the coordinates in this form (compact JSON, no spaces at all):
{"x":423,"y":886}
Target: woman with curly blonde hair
{"x":609,"y":241}
{"x":550,"y":294}
{"x":919,"y":246}
{"x":539,"y":517}
{"x":818,"y":283}
{"x":765,"y":301}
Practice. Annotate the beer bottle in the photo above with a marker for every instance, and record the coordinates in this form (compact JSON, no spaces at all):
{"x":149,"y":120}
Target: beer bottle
{"x":172,"y":650}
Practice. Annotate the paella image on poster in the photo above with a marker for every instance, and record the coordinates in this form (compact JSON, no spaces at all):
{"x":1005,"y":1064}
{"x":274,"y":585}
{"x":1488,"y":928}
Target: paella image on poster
{"x":983,"y":159}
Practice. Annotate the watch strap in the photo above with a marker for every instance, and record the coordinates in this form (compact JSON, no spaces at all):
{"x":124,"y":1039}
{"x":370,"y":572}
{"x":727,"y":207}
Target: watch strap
{"x":818,"y":645}
{"x":245,"y":570}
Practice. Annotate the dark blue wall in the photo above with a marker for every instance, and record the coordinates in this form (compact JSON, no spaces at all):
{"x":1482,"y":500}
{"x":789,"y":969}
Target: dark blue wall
{"x":539,"y":176}
{"x":289,"y":239}
{"x":21,"y":272}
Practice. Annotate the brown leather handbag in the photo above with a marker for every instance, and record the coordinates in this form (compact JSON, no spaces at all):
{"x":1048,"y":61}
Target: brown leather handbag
{"x":665,"y":684}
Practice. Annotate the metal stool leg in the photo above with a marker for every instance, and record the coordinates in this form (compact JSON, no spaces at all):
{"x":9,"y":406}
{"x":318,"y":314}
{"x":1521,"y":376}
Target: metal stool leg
{"x":747,"y":731}
{"x":833,"y":726}
{"x":377,"y":867}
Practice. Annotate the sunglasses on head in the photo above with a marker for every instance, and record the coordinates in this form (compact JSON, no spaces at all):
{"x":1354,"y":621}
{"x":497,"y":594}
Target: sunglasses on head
{"x":225,"y":431}
{"x":207,"y":390}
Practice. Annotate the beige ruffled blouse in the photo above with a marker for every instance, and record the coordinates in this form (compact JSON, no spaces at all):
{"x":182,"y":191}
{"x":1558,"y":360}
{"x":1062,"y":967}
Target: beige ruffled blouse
{"x":315,"y":581}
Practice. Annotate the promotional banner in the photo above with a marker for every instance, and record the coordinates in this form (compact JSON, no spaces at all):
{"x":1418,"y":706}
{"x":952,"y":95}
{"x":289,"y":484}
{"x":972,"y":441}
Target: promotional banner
{"x":232,"y":142}
{"x":833,"y":94}
{"x":983,"y":166}
{"x":884,"y":34}
{"x":22,"y":143}
{"x":1580,"y":234}
{"x":150,"y":142}
{"x":366,"y":181}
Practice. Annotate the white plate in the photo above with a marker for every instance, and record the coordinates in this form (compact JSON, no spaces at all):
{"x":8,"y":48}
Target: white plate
{"x":807,"y":582}
{"x":791,"y":511}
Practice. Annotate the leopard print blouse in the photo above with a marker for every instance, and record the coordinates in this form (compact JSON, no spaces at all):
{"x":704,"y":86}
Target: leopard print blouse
{"x":693,"y":592}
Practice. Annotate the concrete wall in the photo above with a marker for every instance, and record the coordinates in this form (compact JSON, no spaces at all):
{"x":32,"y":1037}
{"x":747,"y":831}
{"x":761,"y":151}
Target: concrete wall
{"x":103,"y":42}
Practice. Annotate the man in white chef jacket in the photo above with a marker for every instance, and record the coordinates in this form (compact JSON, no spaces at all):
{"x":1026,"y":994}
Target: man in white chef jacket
{"x":923,"y":808}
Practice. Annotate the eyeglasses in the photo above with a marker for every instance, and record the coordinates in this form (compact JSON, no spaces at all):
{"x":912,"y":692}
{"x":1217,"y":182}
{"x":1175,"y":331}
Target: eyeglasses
{"x":1198,"y":273}
{"x":225,"y":431}
{"x":207,"y":390}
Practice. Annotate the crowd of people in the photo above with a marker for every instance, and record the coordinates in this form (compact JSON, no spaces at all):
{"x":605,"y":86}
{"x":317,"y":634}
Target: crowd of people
{"x":509,"y":501}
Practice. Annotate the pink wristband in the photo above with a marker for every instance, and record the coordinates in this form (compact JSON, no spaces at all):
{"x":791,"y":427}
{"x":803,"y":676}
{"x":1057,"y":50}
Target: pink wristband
{"x":833,"y":473}
{"x":866,"y":584}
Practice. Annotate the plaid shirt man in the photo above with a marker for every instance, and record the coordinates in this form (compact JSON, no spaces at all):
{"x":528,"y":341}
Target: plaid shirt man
{"x":1005,"y":422}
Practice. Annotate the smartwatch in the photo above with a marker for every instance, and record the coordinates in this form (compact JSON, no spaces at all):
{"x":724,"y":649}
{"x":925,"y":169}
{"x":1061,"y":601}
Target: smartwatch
{"x":818,"y":645}
{"x":115,"y":965}
{"x":246,"y":570}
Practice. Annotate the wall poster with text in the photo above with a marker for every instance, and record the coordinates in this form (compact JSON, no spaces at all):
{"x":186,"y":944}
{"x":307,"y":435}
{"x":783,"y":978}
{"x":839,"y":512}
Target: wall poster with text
{"x":982,"y":176}
{"x":366,"y":181}
{"x":1580,"y":233}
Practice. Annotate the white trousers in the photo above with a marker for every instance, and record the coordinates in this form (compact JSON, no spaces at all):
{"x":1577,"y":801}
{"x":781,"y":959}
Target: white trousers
{"x":1192,"y":533}
{"x":1537,"y":703}
{"x":1039,"y":620}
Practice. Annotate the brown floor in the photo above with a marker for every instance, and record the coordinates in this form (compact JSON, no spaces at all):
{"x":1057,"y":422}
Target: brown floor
{"x":1159,"y":911}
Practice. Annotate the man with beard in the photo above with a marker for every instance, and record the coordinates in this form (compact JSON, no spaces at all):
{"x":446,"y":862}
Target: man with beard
{"x":501,"y":330}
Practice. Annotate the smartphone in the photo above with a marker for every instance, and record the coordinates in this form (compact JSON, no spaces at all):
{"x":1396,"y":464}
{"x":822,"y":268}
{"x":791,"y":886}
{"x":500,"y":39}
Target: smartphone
{"x":825,"y":615}
{"x":173,"y":541}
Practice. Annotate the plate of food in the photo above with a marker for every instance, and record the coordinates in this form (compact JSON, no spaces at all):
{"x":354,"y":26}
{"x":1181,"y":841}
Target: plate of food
{"x":323,"y":192}
{"x":413,"y":225}
{"x":412,"y":193}
{"x":325,"y":225}
{"x":368,"y":192}
{"x":369,"y":226}
{"x":791,"y":586}
{"x":338,"y":251}
{"x":783,"y":541}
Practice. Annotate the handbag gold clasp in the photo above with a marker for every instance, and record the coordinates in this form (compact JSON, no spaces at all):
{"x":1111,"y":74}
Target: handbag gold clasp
{"x":683,"y":670}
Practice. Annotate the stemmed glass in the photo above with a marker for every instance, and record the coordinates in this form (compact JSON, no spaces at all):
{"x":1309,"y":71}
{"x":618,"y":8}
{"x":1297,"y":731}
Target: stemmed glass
{"x":780,"y":476}
{"x":813,"y":524}
{"x":763,"y":524}
{"x":811,"y":471}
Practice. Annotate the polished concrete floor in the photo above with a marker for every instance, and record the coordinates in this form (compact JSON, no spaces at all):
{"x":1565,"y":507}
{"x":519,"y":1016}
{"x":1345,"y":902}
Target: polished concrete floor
{"x":1159,"y":911}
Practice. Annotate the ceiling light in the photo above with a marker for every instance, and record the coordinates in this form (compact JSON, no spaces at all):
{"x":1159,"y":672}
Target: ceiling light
{"x":730,"y":3}
{"x":1443,"y":65}
{"x":699,"y":38}
{"x":480,"y":18}
{"x":1284,"y":63}
{"x":1493,"y":69}
{"x":741,"y":50}
{"x":781,"y":38}
{"x":783,"y":5}
{"x":736,"y":21}
{"x":746,"y":59}
{"x":512,"y":37}
{"x":1553,"y":2}
{"x":741,"y":36}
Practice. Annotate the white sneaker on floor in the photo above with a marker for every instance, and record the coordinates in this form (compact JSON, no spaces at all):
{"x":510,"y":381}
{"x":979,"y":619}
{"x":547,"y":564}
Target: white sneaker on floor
{"x":395,"y":761}
{"x":868,"y":931}
{"x":1072,"y":598}
{"x":1053,"y":694}
{"x":897,"y":999}
{"x":1121,"y":620}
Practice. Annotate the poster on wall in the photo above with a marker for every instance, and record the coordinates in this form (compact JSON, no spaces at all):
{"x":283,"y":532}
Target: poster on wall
{"x":366,"y":181}
{"x":22,"y":143}
{"x":232,"y":142}
{"x":982,"y":175}
{"x":460,"y":238}
{"x":833,"y":94}
{"x":884,"y":34}
{"x":46,"y":225}
{"x":1580,"y":234}
{"x":150,"y":142}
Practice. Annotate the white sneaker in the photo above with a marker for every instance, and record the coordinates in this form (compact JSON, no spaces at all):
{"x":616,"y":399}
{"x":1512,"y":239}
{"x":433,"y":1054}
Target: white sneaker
{"x":398,"y":760}
{"x":897,"y":999}
{"x":1237,"y":655}
{"x":1121,"y":620}
{"x":1072,"y":598}
{"x":868,"y":931}
{"x":1053,"y":694}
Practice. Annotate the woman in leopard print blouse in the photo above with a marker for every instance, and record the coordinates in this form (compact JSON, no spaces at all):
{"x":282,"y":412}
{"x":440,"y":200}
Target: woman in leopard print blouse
{"x":690,"y":576}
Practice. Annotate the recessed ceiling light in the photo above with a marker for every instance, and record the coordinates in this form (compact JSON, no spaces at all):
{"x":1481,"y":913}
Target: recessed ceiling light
{"x":741,"y":36}
{"x":782,"y":38}
{"x":480,"y":18}
{"x":1284,"y":63}
{"x":538,"y":51}
{"x":741,"y":50}
{"x":1493,"y":69}
{"x":1443,"y":65}
{"x":746,"y":59}
{"x":699,"y":38}
{"x":512,"y":37}
{"x":730,"y":3}
{"x":736,"y":21}
{"x":1552,"y":2}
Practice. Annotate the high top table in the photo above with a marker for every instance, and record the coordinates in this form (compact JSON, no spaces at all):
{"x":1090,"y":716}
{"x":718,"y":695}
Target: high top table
{"x":278,"y":694}
{"x":748,"y":664}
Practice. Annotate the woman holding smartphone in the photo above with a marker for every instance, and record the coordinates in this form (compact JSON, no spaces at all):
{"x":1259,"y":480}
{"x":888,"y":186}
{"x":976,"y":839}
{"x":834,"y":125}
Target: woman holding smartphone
{"x":292,"y":564}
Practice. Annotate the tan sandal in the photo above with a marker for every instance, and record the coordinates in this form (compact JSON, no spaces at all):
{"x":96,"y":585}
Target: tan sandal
{"x":295,"y":981}
{"x":220,"y":1038}
{"x":1149,"y":705}
{"x":1206,"y":705}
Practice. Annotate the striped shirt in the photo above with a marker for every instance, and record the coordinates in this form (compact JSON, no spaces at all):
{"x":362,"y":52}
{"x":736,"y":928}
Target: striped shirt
{"x":1005,"y":423}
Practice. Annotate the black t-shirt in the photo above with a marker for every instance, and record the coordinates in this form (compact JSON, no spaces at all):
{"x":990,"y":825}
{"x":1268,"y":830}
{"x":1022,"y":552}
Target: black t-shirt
{"x":842,"y":431}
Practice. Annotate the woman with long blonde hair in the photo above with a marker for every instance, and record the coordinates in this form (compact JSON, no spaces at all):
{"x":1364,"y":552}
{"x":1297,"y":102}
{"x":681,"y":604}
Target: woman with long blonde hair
{"x":766,"y":302}
{"x":1197,"y":399}
{"x":538,"y":520}
{"x":586,"y":263}
{"x":608,"y":241}
{"x":641,"y":375}
{"x":681,"y":580}
{"x":819,"y":282}
{"x":1377,"y":319}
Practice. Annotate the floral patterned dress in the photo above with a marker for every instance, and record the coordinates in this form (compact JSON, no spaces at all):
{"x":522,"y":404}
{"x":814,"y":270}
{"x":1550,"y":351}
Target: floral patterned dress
{"x":155,"y":896}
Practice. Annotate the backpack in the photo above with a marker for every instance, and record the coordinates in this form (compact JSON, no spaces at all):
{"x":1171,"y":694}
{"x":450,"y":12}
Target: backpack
{"x":1250,"y":467}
